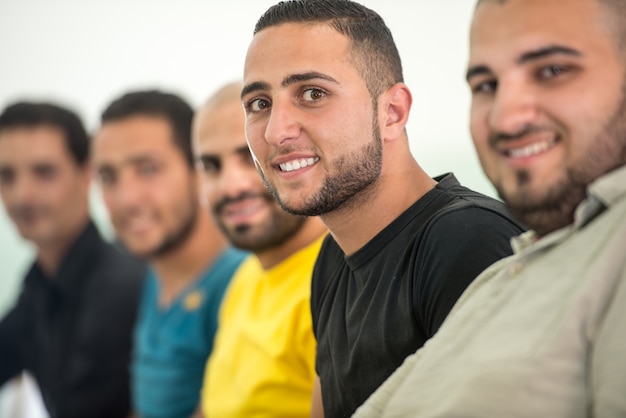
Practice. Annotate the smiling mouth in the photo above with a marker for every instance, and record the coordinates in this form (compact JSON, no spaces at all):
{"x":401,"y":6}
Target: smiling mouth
{"x":136,"y":223}
{"x":531,"y":149}
{"x":298,"y":164}
{"x":234,"y":210}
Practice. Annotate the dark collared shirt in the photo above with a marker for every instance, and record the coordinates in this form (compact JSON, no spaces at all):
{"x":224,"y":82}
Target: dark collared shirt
{"x":73,"y":331}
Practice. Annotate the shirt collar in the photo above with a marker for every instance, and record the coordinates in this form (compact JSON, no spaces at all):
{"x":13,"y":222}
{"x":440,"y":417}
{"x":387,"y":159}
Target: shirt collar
{"x":609,"y":188}
{"x":601,"y":194}
{"x":80,"y":256}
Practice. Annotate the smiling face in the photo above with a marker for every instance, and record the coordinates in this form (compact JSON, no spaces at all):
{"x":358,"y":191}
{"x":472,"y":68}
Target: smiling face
{"x":147,"y":185}
{"x":548,"y":111}
{"x":241,"y":205}
{"x":44,"y":190}
{"x":310,"y":120}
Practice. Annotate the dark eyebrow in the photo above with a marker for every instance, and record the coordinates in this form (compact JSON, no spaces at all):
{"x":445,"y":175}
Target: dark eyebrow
{"x":132,"y":160}
{"x":214,"y":157}
{"x":292,"y":79}
{"x":297,"y":78}
{"x":257,"y":85}
{"x":105,"y":167}
{"x":205,"y":156}
{"x":476,"y":70}
{"x":243,"y":150}
{"x":546,"y":52}
{"x":43,"y":166}
{"x":140,"y":159}
{"x":524,"y":58}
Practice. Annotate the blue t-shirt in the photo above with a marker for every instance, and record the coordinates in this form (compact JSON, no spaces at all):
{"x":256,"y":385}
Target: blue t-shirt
{"x":172,"y":345}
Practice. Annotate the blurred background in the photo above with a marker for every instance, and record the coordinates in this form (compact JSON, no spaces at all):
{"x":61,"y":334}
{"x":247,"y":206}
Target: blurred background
{"x":82,"y":54}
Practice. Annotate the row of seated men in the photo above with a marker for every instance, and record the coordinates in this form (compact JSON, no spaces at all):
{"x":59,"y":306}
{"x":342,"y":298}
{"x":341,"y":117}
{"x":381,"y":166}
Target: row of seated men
{"x":280,"y":252}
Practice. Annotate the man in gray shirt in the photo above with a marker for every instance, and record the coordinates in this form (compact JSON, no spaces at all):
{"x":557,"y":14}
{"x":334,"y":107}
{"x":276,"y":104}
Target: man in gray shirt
{"x":542,"y":333}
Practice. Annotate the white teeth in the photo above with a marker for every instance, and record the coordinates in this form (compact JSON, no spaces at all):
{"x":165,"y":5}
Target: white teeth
{"x":298,"y":164}
{"x":532,"y":149}
{"x":242,"y":211}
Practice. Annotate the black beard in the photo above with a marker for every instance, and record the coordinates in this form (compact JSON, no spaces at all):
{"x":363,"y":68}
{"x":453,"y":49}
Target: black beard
{"x":347,"y":189}
{"x":280,"y":228}
{"x":180,"y":236}
{"x":555,"y":209}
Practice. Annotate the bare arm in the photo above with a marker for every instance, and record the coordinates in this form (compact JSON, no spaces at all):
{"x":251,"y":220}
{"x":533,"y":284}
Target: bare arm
{"x":317,"y":410}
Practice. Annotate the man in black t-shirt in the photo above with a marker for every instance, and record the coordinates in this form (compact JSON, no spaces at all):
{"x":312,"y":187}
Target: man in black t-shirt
{"x":373,"y":308}
{"x":326,"y":110}
{"x":72,"y":325}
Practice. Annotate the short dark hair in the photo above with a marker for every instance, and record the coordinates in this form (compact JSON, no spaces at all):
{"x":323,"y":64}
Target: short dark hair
{"x":33,"y":115}
{"x":171,"y":107}
{"x":374,"y":51}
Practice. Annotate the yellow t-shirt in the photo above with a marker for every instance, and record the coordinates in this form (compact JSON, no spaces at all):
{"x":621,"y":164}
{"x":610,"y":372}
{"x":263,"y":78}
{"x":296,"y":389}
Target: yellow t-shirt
{"x":263,"y":360}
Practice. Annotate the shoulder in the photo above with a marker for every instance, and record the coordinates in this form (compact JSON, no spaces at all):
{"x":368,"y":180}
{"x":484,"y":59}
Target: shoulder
{"x":115,"y":257}
{"x":232,"y":258}
{"x":220,"y":274}
{"x":118,"y":271}
{"x":329,"y":262}
{"x":245,"y":278}
{"x":470,"y":235}
{"x":225,"y":266}
{"x":467,"y":207}
{"x":248,"y":270}
{"x":466,"y":216}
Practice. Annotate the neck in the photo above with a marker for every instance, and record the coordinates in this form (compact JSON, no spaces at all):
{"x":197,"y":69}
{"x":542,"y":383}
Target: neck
{"x":401,"y":184}
{"x":51,"y":254}
{"x":183,"y":265}
{"x":312,"y":229}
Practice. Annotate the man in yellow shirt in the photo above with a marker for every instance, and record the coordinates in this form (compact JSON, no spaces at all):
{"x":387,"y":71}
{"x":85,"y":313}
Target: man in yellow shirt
{"x":263,"y":361}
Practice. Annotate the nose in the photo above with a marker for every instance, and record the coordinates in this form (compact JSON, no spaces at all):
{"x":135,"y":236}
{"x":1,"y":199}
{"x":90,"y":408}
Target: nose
{"x":514,"y":108}
{"x":282,"y":124}
{"x":124,"y":193}
{"x":237,"y":179}
{"x":23,"y":189}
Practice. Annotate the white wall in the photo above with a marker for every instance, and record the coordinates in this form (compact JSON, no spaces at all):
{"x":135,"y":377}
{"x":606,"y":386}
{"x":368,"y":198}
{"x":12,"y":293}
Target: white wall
{"x":85,"y":53}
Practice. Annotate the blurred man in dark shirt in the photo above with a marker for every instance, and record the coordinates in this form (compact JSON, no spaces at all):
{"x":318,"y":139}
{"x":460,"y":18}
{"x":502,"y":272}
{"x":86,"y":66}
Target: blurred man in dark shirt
{"x":72,"y":324}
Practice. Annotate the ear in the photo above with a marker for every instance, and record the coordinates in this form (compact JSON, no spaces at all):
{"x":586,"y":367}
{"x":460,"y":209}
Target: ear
{"x":395,"y":106}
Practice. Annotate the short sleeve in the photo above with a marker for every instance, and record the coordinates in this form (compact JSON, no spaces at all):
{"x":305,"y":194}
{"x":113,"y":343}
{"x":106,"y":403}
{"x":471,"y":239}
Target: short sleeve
{"x":457,"y":247}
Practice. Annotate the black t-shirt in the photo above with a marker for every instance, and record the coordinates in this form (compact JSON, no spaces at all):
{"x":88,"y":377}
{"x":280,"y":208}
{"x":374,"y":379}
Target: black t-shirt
{"x":73,"y":332}
{"x":373,"y":309}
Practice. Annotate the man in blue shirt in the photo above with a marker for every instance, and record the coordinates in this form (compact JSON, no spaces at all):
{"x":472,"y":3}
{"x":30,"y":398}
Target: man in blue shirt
{"x":143,"y":159}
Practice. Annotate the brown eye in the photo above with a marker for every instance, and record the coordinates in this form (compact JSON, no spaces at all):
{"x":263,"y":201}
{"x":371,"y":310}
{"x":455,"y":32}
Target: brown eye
{"x":312,"y":95}
{"x":45,"y":171}
{"x":147,"y":169}
{"x":258,"y":105}
{"x":486,"y":87}
{"x":7,"y":176}
{"x":210,"y":165}
{"x":106,"y":176}
{"x":550,"y":71}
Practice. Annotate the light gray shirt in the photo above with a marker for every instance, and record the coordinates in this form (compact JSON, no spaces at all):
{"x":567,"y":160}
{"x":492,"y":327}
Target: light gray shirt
{"x":539,"y":334}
